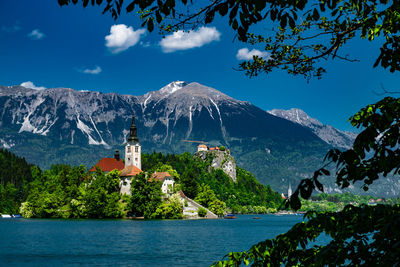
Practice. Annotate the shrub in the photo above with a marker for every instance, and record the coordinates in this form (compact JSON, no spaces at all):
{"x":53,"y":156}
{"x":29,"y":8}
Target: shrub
{"x":202,"y":212}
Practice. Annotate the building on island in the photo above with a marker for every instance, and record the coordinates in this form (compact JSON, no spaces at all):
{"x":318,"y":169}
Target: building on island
{"x":109,"y":164}
{"x":167,"y":182}
{"x":133,"y":159}
{"x":202,"y":147}
{"x":133,"y":165}
{"x":126,"y":177}
{"x":133,"y":147}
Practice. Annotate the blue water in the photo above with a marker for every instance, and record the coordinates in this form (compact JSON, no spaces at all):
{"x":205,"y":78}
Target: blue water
{"x":39,"y":242}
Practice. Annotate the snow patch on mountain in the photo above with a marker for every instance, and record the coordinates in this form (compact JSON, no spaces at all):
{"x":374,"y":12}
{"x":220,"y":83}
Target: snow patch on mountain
{"x":88,"y":131}
{"x":26,"y":124}
{"x":172,"y":87}
{"x":6,"y":144}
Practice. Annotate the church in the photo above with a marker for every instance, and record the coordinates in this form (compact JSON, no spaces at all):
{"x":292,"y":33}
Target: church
{"x":133,"y":160}
{"x":132,"y":165}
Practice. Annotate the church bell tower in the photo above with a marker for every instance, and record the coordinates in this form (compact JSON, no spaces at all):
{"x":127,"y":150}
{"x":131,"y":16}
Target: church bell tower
{"x":133,"y":148}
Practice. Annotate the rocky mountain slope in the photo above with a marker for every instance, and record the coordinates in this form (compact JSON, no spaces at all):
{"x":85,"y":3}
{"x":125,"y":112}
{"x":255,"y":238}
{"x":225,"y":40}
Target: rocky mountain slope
{"x":62,"y":125}
{"x":331,"y":135}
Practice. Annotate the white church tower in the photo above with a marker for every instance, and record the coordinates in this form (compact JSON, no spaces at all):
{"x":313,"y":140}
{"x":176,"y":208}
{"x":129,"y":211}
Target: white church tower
{"x":133,"y":148}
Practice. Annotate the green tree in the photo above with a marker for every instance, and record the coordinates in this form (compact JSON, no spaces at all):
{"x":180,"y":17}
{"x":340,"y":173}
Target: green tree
{"x":206,"y":196}
{"x":101,"y":195}
{"x":170,"y":170}
{"x":202,"y":212}
{"x":170,"y":209}
{"x":145,"y":196}
{"x":189,"y":183}
{"x":218,"y":207}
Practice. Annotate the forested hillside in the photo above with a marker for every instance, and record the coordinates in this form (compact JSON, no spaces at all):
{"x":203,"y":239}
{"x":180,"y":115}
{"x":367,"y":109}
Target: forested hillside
{"x":15,"y":175}
{"x":242,"y":196}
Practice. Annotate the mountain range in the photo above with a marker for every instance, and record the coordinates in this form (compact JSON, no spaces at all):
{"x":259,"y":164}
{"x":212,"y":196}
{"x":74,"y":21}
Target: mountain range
{"x":62,"y":125}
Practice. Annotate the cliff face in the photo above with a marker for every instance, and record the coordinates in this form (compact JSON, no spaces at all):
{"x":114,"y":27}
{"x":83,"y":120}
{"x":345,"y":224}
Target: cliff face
{"x":220,"y":160}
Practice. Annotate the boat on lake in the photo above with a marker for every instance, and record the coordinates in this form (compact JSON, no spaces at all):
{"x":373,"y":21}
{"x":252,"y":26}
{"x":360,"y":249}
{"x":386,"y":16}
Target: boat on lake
{"x":230,"y":216}
{"x":10,"y":216}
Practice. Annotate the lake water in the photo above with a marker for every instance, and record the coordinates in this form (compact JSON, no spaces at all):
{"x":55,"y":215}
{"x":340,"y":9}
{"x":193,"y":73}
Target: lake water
{"x":38,"y":242}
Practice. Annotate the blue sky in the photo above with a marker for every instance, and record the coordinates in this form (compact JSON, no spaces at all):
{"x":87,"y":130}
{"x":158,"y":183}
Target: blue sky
{"x":53,"y":46}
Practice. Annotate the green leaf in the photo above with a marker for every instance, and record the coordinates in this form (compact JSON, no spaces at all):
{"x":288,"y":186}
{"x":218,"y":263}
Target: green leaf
{"x":235,"y":24}
{"x":223,"y":9}
{"x":283,"y":21}
{"x":260,"y":4}
{"x":315,"y":14}
{"x":150,"y":25}
{"x":130,"y":7}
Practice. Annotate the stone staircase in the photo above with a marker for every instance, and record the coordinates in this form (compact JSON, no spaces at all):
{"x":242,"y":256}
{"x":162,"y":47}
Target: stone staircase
{"x":190,"y":208}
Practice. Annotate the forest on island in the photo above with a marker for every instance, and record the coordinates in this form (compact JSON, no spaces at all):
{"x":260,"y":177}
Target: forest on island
{"x":65,"y":191}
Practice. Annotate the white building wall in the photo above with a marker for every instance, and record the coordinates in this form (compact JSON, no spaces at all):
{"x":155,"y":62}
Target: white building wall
{"x":201,"y":148}
{"x":125,"y":186}
{"x":133,"y":152}
{"x":168,"y":183}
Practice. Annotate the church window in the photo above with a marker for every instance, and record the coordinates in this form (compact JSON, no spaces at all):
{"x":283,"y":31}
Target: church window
{"x":136,"y":149}
{"x":136,"y":159}
{"x":129,"y":149}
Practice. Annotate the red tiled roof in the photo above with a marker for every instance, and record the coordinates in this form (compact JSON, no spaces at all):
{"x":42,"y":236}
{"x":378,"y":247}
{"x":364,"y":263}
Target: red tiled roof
{"x":130,"y":171}
{"x":202,"y":146}
{"x":108,"y":164}
{"x":160,"y":176}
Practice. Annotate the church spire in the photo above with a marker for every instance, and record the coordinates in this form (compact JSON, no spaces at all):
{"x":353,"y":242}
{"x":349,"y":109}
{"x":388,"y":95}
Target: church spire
{"x":133,"y":131}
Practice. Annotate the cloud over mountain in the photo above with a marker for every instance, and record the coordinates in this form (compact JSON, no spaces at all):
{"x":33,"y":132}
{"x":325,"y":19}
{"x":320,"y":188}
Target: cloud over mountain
{"x":30,"y":85}
{"x":122,"y":37}
{"x":181,"y":40}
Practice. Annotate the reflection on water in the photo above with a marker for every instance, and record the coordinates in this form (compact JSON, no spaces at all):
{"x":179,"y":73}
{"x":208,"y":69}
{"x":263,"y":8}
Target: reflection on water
{"x":135,"y":243}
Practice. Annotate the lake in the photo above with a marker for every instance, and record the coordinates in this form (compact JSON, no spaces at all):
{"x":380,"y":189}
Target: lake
{"x":39,"y":242}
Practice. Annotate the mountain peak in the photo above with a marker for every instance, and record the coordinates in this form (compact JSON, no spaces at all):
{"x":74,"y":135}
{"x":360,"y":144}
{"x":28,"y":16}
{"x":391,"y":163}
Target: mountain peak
{"x":296,"y":115}
{"x":327,"y":133}
{"x":173,"y":87}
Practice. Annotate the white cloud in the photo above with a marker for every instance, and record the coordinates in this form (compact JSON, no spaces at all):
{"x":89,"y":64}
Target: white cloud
{"x":30,"y":84}
{"x":122,"y":37}
{"x":245,"y":54}
{"x":96,"y":70}
{"x":36,"y":34}
{"x":181,"y":40}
